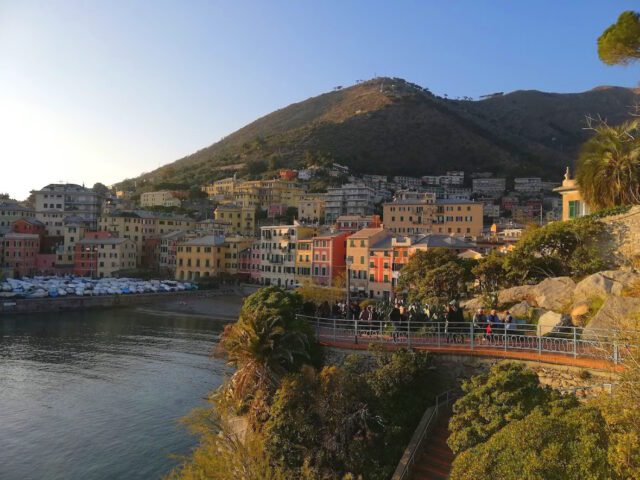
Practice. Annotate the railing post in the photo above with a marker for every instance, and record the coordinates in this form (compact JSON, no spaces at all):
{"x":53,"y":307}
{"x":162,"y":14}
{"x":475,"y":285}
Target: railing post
{"x":438,"y":325}
{"x":575,"y":343}
{"x":471,"y":339}
{"x":334,"y":329}
{"x":539,"y":343}
{"x":504,"y":325}
{"x":356,"y":332}
{"x":616,"y":358}
{"x":409,"y":331}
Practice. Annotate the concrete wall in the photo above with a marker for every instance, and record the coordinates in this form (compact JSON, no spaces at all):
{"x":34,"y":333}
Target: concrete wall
{"x":625,"y":232}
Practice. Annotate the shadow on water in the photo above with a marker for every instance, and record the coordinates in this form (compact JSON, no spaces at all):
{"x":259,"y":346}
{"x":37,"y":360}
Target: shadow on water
{"x":97,"y":395}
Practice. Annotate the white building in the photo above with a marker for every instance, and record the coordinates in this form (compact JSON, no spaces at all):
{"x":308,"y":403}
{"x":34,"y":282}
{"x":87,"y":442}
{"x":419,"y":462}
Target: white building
{"x":527,"y":184}
{"x":161,"y":198}
{"x":55,"y":202}
{"x":349,"y":199}
{"x":490,"y":186}
{"x":278,"y":253}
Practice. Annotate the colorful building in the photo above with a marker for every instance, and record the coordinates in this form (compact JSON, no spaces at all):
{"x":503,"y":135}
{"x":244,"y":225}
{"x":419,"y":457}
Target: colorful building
{"x":161,"y":198}
{"x":10,"y":211}
{"x":100,"y":254}
{"x":353,"y":223}
{"x":278,"y":253}
{"x":329,"y":258}
{"x":20,"y":252}
{"x":241,"y":220}
{"x":304,"y":261}
{"x":200,"y":257}
{"x":55,"y":202}
{"x":311,"y":208}
{"x":358,"y":253}
{"x":573,"y":205}
{"x":233,"y":246}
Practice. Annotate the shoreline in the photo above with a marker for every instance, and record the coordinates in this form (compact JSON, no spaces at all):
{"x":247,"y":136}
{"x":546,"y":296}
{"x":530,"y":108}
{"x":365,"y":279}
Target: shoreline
{"x":224,"y":302}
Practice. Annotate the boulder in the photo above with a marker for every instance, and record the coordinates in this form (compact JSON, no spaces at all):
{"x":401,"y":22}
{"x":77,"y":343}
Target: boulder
{"x":550,"y":320}
{"x":521,"y":310}
{"x":603,"y":284}
{"x":616,"y":313}
{"x":512,"y":295}
{"x":554,"y":293}
{"x":471,"y":305}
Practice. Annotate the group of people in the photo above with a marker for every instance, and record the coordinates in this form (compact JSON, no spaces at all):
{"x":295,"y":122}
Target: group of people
{"x":492,"y":321}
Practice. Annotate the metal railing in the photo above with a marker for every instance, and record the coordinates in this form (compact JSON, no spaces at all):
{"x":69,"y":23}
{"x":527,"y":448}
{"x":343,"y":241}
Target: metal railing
{"x":429,"y":418}
{"x":576,"y":342}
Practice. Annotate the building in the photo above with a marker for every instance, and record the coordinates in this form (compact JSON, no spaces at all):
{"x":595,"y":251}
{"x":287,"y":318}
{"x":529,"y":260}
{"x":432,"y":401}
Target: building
{"x":573,"y":205}
{"x":200,"y":257}
{"x":358,"y":252}
{"x":99,"y":254}
{"x":409,"y":216}
{"x":311,"y":208}
{"x":140,"y":225}
{"x":168,"y":250}
{"x":287,"y":174}
{"x":250,"y":263}
{"x":304,"y":261}
{"x":55,"y":202}
{"x":278,"y":253}
{"x":349,"y":199}
{"x":161,"y":198}
{"x":527,"y":184}
{"x":381,"y":268}
{"x":10,"y":211}
{"x":492,"y":187}
{"x":329,"y":257}
{"x":241,"y":220}
{"x":407,"y":182}
{"x":455,"y":244}
{"x":221,"y":188}
{"x":74,"y":231}
{"x":353,"y":223}
{"x":20,"y":252}
{"x":490,"y":210}
{"x":233,"y":245}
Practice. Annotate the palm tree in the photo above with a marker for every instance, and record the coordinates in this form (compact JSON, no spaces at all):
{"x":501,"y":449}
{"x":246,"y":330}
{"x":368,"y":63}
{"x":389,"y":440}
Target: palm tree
{"x":608,"y":169}
{"x":263,"y":350}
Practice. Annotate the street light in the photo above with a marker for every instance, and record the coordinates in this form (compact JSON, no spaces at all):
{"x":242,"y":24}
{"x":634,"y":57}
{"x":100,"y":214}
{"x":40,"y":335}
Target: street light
{"x":348,"y":263}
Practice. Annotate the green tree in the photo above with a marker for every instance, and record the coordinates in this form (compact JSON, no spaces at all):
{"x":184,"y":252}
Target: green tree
{"x":265,"y":343}
{"x":509,"y":391}
{"x":491,"y":276}
{"x":565,"y":445}
{"x":619,"y":44}
{"x":608,"y":168}
{"x":434,"y":276}
{"x":558,"y":249}
{"x":100,"y":189}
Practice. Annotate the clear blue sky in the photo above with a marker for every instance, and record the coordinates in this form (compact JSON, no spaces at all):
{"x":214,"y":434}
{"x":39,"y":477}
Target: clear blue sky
{"x":100,"y":91}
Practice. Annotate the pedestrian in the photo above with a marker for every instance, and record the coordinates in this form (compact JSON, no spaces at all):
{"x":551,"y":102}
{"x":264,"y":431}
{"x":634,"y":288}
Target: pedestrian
{"x":508,"y":320}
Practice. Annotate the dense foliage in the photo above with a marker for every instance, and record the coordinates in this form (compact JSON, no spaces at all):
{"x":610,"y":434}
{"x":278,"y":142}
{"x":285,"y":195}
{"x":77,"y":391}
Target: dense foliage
{"x":620,"y":42}
{"x":608,"y":168}
{"x":509,"y":391}
{"x":569,"y":444}
{"x":434,"y":276}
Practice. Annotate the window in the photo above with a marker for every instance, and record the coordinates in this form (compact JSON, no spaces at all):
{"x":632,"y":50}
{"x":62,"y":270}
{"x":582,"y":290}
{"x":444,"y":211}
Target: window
{"x":362,"y":260}
{"x":574,"y":208}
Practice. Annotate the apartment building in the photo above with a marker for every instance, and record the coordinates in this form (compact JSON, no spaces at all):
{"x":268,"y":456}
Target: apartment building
{"x":458,"y":217}
{"x":349,"y":199}
{"x":527,"y":184}
{"x":410,"y":216}
{"x":10,"y":211}
{"x":329,"y":257}
{"x":55,"y":202}
{"x":250,"y":263}
{"x":381,"y":268}
{"x":100,"y":255}
{"x":405,"y":182}
{"x":358,"y":253}
{"x":311,"y":208}
{"x":304,"y":261}
{"x":20,"y":252}
{"x":241,"y":220}
{"x":493,"y":187}
{"x":73,"y":232}
{"x":278,"y":253}
{"x":168,"y":249}
{"x":233,"y":245}
{"x":161,"y":198}
{"x":200,"y":257}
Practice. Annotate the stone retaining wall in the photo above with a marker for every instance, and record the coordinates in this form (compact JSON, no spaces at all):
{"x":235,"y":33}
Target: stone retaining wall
{"x":625,"y":232}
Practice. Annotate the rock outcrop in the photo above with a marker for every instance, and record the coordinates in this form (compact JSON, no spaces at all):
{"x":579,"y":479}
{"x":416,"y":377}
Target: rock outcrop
{"x":548,"y":322}
{"x":616,"y":313}
{"x":602,"y":284}
{"x":554,"y":293}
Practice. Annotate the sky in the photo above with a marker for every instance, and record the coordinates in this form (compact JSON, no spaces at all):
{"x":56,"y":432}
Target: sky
{"x":95,"y":91}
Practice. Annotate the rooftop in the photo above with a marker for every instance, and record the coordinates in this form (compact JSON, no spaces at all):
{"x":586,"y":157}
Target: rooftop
{"x":207,"y":241}
{"x":442,"y":241}
{"x":368,"y":232}
{"x":104,"y":241}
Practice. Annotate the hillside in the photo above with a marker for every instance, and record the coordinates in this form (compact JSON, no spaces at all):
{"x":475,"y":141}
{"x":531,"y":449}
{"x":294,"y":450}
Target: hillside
{"x":390,"y":126}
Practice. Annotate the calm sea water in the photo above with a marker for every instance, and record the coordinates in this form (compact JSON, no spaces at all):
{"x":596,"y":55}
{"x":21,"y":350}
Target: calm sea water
{"x":98,"y":395}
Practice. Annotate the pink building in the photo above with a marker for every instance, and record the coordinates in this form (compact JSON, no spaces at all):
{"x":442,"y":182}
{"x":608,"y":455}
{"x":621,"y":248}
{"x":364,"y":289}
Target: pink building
{"x":46,"y":264}
{"x":250,"y":263}
{"x":20,"y":253}
{"x":354,"y":223}
{"x":329,"y":253}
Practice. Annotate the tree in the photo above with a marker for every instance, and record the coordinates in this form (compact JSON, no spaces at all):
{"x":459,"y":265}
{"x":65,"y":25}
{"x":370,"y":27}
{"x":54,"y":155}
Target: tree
{"x":100,"y":189}
{"x":608,"y":168}
{"x":491,"y":276}
{"x":434,"y":276}
{"x":265,"y":343}
{"x":558,"y":249}
{"x":564,"y":445}
{"x":510,"y":391}
{"x":619,"y":44}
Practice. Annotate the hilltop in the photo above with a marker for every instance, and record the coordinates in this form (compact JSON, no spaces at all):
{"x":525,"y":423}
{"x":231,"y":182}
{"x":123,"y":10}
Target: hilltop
{"x":391,"y":126}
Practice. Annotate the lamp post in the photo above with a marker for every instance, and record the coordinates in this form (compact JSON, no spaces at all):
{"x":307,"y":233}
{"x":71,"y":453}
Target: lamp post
{"x":348,"y":263}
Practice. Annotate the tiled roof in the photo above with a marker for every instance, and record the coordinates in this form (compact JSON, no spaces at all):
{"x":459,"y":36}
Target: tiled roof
{"x":208,"y":240}
{"x":443,"y":241}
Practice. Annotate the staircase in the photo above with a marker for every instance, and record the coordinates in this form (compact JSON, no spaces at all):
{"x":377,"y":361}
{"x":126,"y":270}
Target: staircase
{"x":434,"y":461}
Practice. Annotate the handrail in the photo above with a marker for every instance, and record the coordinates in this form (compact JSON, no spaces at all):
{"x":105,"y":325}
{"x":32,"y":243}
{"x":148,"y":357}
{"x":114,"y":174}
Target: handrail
{"x":415,"y":444}
{"x":577,"y":342}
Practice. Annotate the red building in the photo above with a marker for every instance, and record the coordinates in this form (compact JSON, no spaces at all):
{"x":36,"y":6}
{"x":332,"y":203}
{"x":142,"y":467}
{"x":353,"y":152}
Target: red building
{"x":20,"y":253}
{"x":288,"y":174}
{"x":250,"y":263}
{"x":329,"y":254}
{"x":28,"y":225}
{"x":85,"y":255}
{"x":46,"y":264}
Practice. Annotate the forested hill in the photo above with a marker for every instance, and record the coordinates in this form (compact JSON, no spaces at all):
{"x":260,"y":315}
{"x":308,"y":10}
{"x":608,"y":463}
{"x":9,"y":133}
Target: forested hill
{"x":390,"y":126}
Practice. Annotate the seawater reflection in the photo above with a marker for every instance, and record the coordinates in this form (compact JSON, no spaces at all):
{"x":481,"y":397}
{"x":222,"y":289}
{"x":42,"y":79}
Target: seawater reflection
{"x":98,"y":395}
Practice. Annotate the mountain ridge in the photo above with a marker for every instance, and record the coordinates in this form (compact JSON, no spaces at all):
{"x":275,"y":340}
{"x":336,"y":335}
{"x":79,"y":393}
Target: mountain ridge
{"x":391,"y":126}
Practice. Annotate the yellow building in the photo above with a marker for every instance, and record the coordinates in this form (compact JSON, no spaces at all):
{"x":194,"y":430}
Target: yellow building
{"x":110,"y":255}
{"x":449,"y":217}
{"x":161,"y":198}
{"x":241,"y":220}
{"x":233,"y":245}
{"x":140,"y":226}
{"x":573,"y":206}
{"x":221,"y":188}
{"x":311,"y":208}
{"x":200,"y":257}
{"x":304,"y":260}
{"x":358,"y":253}
{"x":73,"y":233}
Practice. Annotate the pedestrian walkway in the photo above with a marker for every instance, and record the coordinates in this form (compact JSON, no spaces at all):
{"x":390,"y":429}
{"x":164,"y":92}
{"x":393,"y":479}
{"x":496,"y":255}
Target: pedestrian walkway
{"x":434,"y":461}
